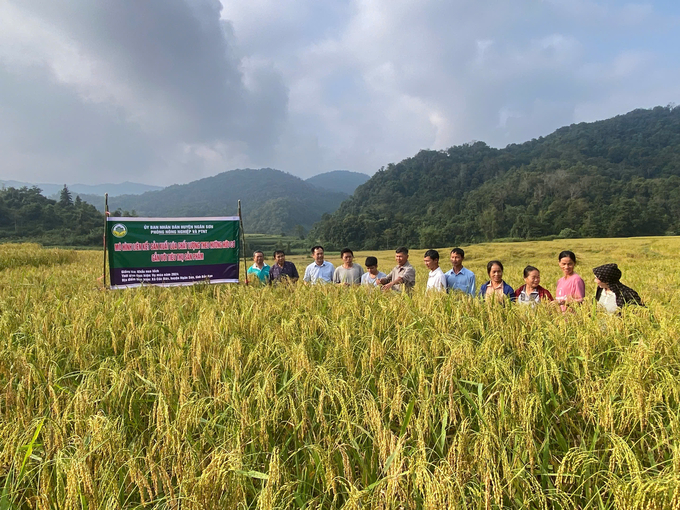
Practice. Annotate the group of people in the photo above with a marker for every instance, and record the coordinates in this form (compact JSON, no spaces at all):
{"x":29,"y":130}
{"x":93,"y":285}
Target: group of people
{"x":611,"y":293}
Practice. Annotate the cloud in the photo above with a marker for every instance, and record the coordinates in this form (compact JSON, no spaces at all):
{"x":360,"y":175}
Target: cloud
{"x":164,"y":91}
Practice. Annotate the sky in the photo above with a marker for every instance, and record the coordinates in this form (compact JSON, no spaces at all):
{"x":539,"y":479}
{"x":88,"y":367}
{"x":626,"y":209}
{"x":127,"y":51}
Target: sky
{"x":170,"y":91}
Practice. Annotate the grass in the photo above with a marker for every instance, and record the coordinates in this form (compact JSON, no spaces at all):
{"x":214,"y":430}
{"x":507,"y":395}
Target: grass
{"x":243,"y":397}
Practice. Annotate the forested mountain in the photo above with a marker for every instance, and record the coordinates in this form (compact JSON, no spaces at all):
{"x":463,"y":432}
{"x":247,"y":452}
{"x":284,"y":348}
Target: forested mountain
{"x":611,"y":178}
{"x":25,"y":214}
{"x":273,"y":202}
{"x":343,"y":181}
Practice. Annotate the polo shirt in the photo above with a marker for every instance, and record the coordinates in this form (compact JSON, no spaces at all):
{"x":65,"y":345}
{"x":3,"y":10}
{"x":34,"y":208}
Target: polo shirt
{"x":319,"y":273}
{"x":464,"y":281}
{"x":262,"y":274}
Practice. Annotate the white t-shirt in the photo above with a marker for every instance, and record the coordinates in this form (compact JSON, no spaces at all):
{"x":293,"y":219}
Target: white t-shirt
{"x":436,"y":280}
{"x":608,"y":301}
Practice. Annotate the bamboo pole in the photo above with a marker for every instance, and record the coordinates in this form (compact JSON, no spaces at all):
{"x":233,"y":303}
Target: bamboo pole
{"x":106,"y":228}
{"x":242,"y":242}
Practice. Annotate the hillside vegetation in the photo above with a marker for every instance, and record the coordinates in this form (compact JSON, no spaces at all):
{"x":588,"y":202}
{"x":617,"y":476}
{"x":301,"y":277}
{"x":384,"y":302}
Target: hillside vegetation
{"x":612,"y":178}
{"x":273,"y":202}
{"x":324,"y":397}
{"x":25,"y":214}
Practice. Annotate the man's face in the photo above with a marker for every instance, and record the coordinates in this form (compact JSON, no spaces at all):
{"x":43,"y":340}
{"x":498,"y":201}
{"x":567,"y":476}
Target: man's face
{"x":401,"y":258}
{"x":258,"y":258}
{"x":372,"y":269}
{"x":431,"y":264}
{"x":347,"y":258}
{"x":318,"y":256}
{"x":280,"y":258}
{"x":456,"y":260}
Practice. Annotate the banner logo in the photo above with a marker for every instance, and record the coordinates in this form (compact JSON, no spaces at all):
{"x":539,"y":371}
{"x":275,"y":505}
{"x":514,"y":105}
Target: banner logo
{"x":119,"y":230}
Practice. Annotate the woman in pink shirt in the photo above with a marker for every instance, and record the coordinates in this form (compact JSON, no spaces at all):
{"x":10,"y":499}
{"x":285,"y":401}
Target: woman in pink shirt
{"x":570,"y":288}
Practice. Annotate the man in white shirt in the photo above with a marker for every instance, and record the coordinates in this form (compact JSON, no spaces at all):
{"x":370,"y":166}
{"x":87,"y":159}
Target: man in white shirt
{"x":436,"y":280}
{"x":319,"y":271}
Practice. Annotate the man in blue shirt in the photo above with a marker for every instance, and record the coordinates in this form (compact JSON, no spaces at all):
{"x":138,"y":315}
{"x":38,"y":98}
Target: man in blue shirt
{"x":460,"y":278}
{"x":319,"y":271}
{"x":259,"y":268}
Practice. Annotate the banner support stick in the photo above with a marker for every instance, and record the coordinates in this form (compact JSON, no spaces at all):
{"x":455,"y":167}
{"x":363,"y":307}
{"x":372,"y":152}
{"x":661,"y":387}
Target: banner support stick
{"x":243,"y":242}
{"x":106,"y":214}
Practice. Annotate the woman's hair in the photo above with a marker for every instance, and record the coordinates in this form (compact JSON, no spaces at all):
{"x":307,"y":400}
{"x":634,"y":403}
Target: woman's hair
{"x":567,"y":253}
{"x":529,"y":269}
{"x":493,"y":263}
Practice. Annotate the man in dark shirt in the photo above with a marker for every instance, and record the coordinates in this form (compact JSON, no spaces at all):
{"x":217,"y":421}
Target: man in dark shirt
{"x":282,"y":270}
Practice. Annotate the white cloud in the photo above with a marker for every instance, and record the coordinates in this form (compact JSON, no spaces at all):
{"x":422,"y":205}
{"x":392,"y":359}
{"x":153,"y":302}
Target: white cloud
{"x":172,"y":90}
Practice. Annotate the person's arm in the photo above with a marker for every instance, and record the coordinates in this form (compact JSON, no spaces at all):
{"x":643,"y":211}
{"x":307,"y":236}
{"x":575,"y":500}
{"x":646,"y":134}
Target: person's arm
{"x":336,"y":275}
{"x":442,"y":283}
{"x":387,"y":279}
{"x":580,"y":290}
{"x":295,"y":276}
{"x":473,"y":285}
{"x":308,"y":275}
{"x":409,"y":276}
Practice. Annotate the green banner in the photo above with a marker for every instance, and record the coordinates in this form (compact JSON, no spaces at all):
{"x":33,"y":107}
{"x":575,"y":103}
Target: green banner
{"x":172,"y":251}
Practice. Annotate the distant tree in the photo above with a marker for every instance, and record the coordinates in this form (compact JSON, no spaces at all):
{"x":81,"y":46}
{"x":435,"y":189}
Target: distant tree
{"x":299,"y":231}
{"x":78,"y":201}
{"x":65,"y":198}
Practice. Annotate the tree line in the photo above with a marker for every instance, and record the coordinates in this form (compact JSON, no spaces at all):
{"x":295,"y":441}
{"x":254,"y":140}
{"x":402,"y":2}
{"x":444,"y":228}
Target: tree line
{"x":614,"y":178}
{"x":27,"y":215}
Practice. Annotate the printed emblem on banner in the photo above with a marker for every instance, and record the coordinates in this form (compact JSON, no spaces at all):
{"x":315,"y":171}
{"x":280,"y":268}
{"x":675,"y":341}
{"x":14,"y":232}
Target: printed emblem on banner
{"x":119,"y":230}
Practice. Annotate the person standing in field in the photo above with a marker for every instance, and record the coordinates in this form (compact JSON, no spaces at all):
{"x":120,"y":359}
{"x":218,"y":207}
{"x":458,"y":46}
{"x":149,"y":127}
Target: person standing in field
{"x":570,"y":288}
{"x":372,"y":276}
{"x":348,"y":273}
{"x":403,"y":276}
{"x":283,"y":270}
{"x":611,"y":294}
{"x":435,"y":280}
{"x":531,"y":292}
{"x":496,"y":289}
{"x":319,"y":271}
{"x":458,"y":277}
{"x":259,"y":268}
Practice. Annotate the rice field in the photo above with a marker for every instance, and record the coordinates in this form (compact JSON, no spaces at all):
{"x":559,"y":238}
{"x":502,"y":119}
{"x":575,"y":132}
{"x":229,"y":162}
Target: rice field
{"x":241,"y":397}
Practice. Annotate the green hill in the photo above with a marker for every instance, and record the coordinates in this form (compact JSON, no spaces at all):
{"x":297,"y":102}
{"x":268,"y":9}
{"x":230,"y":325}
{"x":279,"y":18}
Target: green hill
{"x":611,"y":178}
{"x":343,"y":181}
{"x":273,"y":202}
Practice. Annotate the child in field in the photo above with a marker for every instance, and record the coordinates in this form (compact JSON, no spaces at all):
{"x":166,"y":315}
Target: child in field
{"x":531,"y":292}
{"x":372,"y":275}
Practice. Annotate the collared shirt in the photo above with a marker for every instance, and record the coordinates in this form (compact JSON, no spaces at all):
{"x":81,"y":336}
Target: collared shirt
{"x":436,"y":280}
{"x":463,"y":281}
{"x":525,"y":298}
{"x":262,"y":274}
{"x":367,"y":279}
{"x":322,"y":273}
{"x":407,"y":272}
{"x":608,"y":301}
{"x":351,"y":275}
{"x":278,"y":273}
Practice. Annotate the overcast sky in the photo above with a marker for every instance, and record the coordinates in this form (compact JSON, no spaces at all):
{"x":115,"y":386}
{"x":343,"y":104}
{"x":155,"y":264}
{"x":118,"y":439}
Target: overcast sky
{"x":169,"y":91}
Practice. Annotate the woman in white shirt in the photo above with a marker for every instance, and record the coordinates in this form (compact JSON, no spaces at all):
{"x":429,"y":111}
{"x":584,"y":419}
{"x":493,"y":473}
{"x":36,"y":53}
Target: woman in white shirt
{"x":611,"y":293}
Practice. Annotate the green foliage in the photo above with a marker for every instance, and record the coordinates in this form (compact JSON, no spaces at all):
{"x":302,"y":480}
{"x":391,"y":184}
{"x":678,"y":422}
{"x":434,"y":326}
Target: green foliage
{"x":272,"y":201}
{"x":25,"y":214}
{"x":613,"y":178}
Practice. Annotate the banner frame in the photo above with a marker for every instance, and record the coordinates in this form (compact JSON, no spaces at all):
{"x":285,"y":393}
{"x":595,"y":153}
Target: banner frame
{"x":109,"y":219}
